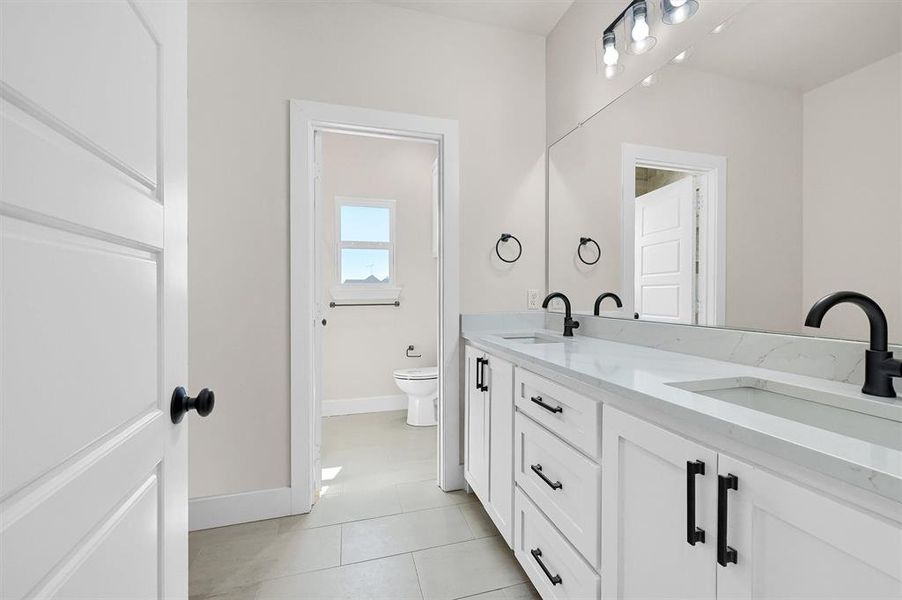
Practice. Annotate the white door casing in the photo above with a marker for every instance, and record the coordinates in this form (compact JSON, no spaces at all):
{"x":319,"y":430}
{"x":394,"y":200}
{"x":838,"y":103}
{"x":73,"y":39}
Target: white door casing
{"x":93,"y":299}
{"x":665,"y":253}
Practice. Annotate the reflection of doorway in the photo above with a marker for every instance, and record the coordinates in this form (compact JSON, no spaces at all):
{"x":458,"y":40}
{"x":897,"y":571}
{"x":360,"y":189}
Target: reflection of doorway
{"x":674,"y":235}
{"x":665,"y":243}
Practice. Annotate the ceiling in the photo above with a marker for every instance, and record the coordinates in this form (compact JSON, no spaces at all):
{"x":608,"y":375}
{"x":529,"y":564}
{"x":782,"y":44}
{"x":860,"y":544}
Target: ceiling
{"x":528,"y":16}
{"x":801,"y":45}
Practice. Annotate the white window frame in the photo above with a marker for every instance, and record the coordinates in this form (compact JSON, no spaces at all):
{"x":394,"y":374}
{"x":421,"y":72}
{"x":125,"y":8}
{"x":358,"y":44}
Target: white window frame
{"x":366,"y":291}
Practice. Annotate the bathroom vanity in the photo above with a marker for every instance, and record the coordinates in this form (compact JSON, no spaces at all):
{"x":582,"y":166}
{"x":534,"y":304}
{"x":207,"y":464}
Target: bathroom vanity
{"x":621,"y":471}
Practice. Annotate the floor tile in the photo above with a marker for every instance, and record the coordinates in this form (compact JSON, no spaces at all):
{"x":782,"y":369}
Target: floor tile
{"x":346,"y":507}
{"x":420,"y":495}
{"x":478,"y":520}
{"x":241,"y":593}
{"x":224,"y":567}
{"x":467,"y":568}
{"x":522,"y":591}
{"x":365,"y":540}
{"x":393,"y":578}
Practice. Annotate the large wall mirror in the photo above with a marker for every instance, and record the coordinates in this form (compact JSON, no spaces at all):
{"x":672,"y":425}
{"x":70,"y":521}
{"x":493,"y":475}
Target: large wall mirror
{"x":758,"y":171}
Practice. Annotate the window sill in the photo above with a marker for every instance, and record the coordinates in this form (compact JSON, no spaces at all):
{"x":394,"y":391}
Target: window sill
{"x":361,"y":293}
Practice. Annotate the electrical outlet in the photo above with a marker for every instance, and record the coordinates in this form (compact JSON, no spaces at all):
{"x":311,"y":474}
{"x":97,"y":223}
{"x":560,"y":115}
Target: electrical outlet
{"x":533,"y":299}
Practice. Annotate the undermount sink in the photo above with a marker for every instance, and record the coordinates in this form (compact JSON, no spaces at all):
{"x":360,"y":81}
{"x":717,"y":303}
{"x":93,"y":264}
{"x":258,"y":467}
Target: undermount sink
{"x":874,"y":421}
{"x":532,"y":339}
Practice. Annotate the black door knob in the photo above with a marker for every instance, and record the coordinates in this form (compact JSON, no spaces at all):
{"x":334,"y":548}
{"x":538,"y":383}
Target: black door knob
{"x":182,"y":403}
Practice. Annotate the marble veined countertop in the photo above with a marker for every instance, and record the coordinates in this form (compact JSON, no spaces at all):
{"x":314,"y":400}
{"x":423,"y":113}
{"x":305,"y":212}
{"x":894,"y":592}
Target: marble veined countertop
{"x":638,"y":374}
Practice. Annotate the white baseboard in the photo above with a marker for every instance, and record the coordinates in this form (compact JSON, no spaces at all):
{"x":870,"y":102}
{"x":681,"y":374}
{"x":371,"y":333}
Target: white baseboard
{"x":230,"y":509}
{"x":353,"y":406}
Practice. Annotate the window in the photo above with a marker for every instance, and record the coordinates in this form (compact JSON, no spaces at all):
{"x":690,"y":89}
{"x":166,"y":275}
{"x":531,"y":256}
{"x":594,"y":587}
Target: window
{"x":365,"y":249}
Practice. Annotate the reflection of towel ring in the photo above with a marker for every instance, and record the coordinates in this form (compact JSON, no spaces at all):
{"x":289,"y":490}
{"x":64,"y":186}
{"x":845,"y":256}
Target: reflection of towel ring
{"x":579,"y":251}
{"x":504,"y":238}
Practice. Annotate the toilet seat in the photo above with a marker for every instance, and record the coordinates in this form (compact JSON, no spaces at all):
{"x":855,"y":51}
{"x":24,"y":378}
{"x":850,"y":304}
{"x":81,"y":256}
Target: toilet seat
{"x":417,"y":374}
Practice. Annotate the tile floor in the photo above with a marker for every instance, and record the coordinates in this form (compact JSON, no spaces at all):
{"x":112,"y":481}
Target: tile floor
{"x":382,"y":529}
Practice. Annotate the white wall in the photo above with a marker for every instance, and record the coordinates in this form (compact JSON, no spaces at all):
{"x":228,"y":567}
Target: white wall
{"x":363,"y":345}
{"x":246,"y":59}
{"x":853,"y":195}
{"x":758,"y":129}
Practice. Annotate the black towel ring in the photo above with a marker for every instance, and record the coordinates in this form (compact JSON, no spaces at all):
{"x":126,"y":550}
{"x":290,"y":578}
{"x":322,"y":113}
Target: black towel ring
{"x":579,"y":250}
{"x":504,"y":238}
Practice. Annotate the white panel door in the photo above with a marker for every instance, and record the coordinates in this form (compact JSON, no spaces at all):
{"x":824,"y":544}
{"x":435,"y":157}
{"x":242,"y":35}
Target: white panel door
{"x":793,"y":542}
{"x":665,"y":253}
{"x":93,"y":314}
{"x":647,"y":481}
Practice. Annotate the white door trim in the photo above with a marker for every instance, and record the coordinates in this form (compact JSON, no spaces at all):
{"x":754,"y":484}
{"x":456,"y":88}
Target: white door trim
{"x":715,"y":214}
{"x":306,"y":118}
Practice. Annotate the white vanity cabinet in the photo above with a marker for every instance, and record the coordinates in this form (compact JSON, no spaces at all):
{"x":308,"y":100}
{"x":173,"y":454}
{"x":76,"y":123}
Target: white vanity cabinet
{"x":788,"y":541}
{"x":489,"y":436}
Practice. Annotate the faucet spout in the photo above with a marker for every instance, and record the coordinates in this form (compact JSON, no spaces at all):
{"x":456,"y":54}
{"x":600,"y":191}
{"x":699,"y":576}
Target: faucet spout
{"x":876,"y":317}
{"x":601,"y":299}
{"x":569,"y":323}
{"x":879,"y":365}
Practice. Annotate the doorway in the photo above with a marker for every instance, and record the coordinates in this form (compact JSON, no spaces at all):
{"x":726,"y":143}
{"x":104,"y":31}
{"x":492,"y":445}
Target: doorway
{"x":674,"y":231}
{"x":312,"y":306}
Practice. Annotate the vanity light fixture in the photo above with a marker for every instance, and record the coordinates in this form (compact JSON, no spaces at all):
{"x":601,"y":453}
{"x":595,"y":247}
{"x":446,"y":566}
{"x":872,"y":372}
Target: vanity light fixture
{"x":638,"y":19}
{"x":641,"y":40}
{"x":674,"y":12}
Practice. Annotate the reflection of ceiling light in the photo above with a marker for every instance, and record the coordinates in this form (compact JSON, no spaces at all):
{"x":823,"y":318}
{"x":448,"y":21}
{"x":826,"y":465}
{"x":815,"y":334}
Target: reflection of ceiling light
{"x":721,"y":27}
{"x":674,"y":12}
{"x":650,"y":80}
{"x":680,"y":58}
{"x":612,"y":71}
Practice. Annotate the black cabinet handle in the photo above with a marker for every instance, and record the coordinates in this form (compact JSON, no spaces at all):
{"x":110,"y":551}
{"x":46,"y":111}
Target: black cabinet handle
{"x":725,"y":483}
{"x":182,"y":403}
{"x":693,"y":534}
{"x":537,"y":554}
{"x":478,"y":373}
{"x":555,"y":409}
{"x":485,"y":386}
{"x":555,"y":485}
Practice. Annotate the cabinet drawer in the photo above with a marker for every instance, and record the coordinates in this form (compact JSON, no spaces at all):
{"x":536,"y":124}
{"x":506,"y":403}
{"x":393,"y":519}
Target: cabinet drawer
{"x":562,"y":482}
{"x":571,"y":416}
{"x":538,"y":543}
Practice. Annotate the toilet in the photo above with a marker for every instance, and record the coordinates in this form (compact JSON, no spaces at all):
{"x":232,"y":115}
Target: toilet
{"x":421,"y":386}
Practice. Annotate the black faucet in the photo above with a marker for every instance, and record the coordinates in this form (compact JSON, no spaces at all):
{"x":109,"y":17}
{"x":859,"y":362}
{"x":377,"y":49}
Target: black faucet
{"x":569,"y":323}
{"x":879,"y":365}
{"x":601,"y":298}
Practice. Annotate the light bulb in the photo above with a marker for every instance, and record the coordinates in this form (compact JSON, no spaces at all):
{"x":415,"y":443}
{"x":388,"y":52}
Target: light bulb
{"x":610,"y":57}
{"x":677,"y":3}
{"x":640,"y":27}
{"x":678,"y":11}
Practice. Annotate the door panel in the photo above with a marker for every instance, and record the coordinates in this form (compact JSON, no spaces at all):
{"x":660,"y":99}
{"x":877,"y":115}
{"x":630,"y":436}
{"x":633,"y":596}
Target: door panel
{"x":93,"y":68}
{"x":500,"y":381}
{"x":793,"y":542}
{"x":93,"y":474}
{"x":644,"y":552}
{"x":665,"y":253}
{"x":476,"y":429}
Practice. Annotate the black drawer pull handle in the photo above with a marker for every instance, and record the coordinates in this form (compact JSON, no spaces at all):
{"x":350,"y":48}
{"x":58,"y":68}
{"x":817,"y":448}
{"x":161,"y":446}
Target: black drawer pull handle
{"x":555,"y":409}
{"x":555,"y":485}
{"x":485,"y":386}
{"x":554,"y":579}
{"x":693,"y":534}
{"x":478,"y":373}
{"x":725,"y":554}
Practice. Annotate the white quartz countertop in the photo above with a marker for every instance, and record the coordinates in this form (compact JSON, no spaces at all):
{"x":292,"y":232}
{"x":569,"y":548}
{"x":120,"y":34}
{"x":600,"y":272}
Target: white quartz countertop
{"x":641,"y":374}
